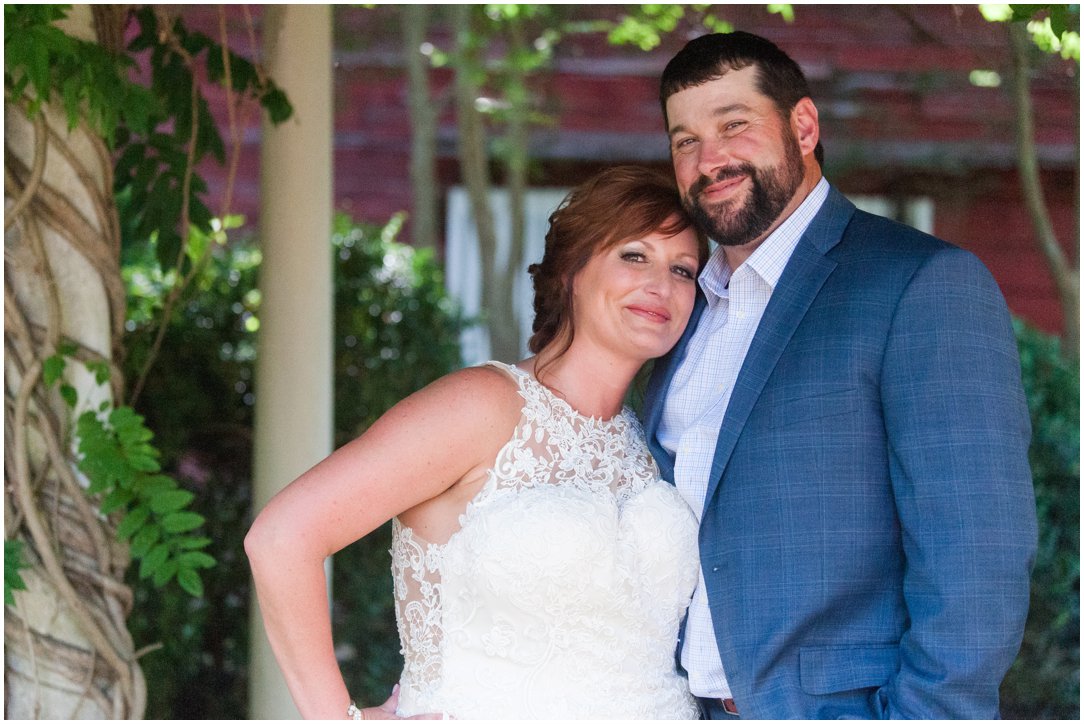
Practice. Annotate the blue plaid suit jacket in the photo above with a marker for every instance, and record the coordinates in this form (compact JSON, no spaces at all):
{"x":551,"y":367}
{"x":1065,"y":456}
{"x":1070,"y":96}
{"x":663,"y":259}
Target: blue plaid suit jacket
{"x":869,"y":526}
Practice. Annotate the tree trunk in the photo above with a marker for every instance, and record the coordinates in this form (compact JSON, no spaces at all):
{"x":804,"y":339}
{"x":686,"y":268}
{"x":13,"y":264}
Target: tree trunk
{"x":67,"y":650}
{"x":474,"y":160}
{"x":1066,"y":276}
{"x":423,"y":121}
{"x":516,"y":162}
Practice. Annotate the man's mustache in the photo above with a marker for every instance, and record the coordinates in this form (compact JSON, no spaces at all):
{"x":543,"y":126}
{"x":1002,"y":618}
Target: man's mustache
{"x":729,"y":172}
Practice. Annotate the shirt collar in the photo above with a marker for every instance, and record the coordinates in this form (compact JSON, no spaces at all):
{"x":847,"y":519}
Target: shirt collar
{"x":771,"y":256}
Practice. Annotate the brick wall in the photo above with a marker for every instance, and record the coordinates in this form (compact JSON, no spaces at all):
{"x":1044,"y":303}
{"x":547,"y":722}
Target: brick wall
{"x":899,"y":117}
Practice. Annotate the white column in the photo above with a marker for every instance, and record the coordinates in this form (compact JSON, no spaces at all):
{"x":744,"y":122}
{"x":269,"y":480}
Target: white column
{"x":293,"y":426}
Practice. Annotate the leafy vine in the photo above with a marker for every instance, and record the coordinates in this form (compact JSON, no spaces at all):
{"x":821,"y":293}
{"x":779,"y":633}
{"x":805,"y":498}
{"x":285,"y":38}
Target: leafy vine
{"x":98,"y":165}
{"x":121,"y":466}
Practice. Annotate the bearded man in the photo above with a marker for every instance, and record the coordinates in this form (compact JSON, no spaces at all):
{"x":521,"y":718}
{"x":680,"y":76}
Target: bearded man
{"x":846,"y":416}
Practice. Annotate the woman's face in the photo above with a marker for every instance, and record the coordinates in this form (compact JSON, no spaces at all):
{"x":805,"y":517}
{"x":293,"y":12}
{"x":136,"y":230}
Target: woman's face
{"x":635,"y":297}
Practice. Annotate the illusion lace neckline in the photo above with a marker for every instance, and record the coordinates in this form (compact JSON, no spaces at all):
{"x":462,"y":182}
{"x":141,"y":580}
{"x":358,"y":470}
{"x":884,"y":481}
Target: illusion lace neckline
{"x":561,"y":404}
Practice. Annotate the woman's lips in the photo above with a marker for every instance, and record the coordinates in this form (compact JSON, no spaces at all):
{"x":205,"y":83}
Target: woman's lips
{"x":655,"y":314}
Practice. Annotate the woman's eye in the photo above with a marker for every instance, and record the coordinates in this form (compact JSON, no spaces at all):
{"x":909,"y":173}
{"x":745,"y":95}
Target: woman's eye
{"x":633,"y":256}
{"x":682,"y":271}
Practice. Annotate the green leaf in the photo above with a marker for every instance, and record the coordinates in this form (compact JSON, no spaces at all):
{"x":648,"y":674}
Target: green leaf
{"x":215,"y":68}
{"x":13,"y":562}
{"x":171,"y":501}
{"x":233,"y":221}
{"x":69,"y":395}
{"x":144,"y":539}
{"x":198,"y":242}
{"x":190,"y":543}
{"x":169,"y":241}
{"x":196,"y":559}
{"x":182,"y":522}
{"x":133,"y":522}
{"x":124,"y":419}
{"x":153,"y":485}
{"x":165,"y":572}
{"x":116,"y":500}
{"x":784,"y":10}
{"x":1059,"y":21}
{"x":244,"y":73}
{"x":153,"y":560}
{"x":190,"y":581}
{"x":101,"y":371}
{"x":52,"y":369}
{"x":144,"y":463}
{"x":996,"y":12}
{"x":717,"y":25}
{"x":37,"y":68}
{"x":278,"y":107}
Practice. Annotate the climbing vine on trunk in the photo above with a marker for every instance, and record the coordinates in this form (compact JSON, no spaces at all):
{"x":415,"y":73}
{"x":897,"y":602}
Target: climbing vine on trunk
{"x":84,"y":494}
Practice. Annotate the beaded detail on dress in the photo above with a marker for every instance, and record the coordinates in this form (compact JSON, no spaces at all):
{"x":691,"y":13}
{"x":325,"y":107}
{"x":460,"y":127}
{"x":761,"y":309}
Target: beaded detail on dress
{"x":561,"y":594}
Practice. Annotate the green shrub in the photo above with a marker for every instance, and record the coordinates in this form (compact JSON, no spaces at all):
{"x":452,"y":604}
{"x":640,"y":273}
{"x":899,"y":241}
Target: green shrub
{"x":395,"y":331}
{"x":198,"y":400}
{"x":1044,"y":682}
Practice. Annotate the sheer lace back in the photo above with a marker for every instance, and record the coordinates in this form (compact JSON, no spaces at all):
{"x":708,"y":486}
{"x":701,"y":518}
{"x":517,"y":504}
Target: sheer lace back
{"x":571,"y":571}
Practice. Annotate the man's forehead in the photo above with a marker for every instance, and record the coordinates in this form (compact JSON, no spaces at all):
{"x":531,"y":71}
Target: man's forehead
{"x":729,"y":78}
{"x":720,"y":96}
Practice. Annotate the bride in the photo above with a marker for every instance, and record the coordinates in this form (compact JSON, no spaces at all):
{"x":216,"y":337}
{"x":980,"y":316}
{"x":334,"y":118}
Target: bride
{"x":541,"y":567}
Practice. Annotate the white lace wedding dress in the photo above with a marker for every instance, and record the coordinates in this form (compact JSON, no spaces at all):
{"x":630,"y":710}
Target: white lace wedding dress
{"x":561,"y":594}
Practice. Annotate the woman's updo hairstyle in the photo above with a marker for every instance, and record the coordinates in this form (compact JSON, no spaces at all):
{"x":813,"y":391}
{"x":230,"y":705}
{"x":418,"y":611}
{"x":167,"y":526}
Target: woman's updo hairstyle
{"x":619,"y":203}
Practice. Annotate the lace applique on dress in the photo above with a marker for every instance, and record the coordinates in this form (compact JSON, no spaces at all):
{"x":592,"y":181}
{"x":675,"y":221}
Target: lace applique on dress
{"x":562,"y":591}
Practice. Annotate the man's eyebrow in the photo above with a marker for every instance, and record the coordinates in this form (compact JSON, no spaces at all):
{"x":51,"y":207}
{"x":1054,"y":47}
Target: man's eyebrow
{"x":717,"y":112}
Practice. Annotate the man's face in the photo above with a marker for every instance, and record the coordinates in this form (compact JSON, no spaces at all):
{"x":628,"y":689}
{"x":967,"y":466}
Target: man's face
{"x":737,"y":161}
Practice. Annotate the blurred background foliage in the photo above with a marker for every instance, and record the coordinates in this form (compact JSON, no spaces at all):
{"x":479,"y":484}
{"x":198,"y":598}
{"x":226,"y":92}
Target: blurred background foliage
{"x":395,"y":331}
{"x":1044,"y":682}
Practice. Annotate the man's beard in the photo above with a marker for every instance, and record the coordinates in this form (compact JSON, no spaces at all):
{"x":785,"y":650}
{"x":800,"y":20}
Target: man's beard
{"x":772,"y":189}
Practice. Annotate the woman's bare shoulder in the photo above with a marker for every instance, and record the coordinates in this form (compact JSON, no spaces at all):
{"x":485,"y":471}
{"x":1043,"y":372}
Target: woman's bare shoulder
{"x":472,"y":399}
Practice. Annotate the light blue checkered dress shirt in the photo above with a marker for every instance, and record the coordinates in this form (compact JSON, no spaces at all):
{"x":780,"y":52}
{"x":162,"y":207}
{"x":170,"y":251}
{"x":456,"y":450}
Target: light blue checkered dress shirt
{"x":700,"y":393}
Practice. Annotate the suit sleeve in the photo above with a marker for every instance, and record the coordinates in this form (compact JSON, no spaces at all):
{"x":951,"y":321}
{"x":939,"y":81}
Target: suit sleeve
{"x":958,"y":431}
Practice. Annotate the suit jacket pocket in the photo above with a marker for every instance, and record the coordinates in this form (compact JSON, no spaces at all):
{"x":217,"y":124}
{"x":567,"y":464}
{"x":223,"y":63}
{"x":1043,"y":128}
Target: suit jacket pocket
{"x":833,"y":669}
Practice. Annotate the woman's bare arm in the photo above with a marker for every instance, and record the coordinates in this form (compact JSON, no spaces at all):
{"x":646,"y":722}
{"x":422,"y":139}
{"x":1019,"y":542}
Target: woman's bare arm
{"x":448,"y":432}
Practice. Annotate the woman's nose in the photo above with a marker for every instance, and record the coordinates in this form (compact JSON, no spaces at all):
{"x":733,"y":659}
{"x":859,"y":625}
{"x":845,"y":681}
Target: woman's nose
{"x":660,"y":282}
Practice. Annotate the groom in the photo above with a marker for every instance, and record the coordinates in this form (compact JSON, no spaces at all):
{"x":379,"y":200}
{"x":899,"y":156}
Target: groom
{"x":845,"y":412}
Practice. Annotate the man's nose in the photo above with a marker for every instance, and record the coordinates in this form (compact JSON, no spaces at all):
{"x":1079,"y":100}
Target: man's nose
{"x":713,"y":156}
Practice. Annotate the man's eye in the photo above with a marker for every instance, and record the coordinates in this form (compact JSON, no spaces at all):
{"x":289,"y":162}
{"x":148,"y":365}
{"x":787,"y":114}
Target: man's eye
{"x":734,"y":126}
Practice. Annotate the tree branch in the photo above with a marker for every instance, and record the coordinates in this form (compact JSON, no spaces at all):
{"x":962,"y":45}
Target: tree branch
{"x":36,"y":173}
{"x":1066,"y":278}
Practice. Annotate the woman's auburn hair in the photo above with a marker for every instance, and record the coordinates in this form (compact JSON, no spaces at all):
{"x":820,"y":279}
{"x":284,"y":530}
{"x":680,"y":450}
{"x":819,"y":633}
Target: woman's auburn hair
{"x":622,"y":202}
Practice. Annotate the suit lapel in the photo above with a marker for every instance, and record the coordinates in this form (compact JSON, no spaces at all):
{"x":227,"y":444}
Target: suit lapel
{"x":799,"y":285}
